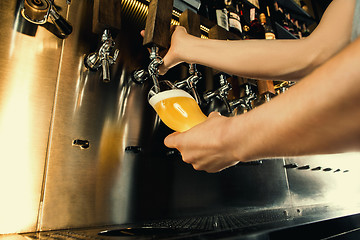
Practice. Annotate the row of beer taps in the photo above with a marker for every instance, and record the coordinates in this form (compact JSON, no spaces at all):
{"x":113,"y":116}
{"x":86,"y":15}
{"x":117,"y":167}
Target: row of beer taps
{"x":189,"y":84}
{"x":245,"y":102}
{"x":106,"y":55}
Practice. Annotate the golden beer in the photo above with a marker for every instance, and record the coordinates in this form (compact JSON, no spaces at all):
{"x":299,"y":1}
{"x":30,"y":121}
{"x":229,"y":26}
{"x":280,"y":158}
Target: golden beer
{"x":177,"y":109}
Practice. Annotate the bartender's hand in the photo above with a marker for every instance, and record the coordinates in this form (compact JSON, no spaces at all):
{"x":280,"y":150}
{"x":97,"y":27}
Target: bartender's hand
{"x":173,"y":55}
{"x":206,"y":146}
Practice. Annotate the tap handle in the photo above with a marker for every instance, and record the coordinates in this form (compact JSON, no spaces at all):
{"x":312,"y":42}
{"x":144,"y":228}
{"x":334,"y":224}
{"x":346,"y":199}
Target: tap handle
{"x":157,"y":28}
{"x":106,"y":15}
{"x":191,"y":21}
{"x":217,"y":32}
{"x":60,"y":22}
{"x":266,"y":88}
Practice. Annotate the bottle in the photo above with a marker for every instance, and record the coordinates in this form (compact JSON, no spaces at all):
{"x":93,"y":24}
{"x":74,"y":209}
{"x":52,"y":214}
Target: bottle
{"x":266,"y":87}
{"x":266,"y":22}
{"x":304,"y":6}
{"x":204,"y":9}
{"x":220,"y":14}
{"x":256,"y":28}
{"x":234,"y":17}
{"x":244,"y":23}
{"x":298,"y":32}
{"x":305,"y":31}
{"x":289,"y":26}
{"x":278,"y":15}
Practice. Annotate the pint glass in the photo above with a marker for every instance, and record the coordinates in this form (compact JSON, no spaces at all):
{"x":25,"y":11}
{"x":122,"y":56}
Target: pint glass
{"x":175,"y":107}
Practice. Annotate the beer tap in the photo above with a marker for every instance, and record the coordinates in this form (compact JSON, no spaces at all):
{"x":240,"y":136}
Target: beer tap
{"x":39,"y":11}
{"x":156,"y":37}
{"x":246,"y":100}
{"x":191,"y":82}
{"x":102,"y":57}
{"x":220,"y":33}
{"x":191,"y":21}
{"x":221,"y":93}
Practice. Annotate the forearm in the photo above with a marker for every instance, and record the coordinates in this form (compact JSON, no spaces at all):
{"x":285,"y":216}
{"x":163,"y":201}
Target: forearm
{"x":271,"y":59}
{"x":321,"y":114}
{"x":254,"y":58}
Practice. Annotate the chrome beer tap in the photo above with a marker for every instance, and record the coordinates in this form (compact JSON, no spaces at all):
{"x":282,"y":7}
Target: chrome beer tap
{"x":245,"y":101}
{"x":39,"y":11}
{"x":140,"y":76}
{"x":221,"y":93}
{"x":190,"y":82}
{"x":102,"y":57}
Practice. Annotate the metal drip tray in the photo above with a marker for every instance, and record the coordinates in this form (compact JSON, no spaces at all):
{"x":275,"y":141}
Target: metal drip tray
{"x":150,"y":232}
{"x":259,"y":225}
{"x":181,"y":228}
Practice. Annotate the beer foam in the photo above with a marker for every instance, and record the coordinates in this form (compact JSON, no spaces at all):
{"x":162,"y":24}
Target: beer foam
{"x":168,"y":94}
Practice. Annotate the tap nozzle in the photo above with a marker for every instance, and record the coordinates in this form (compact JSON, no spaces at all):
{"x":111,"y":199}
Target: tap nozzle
{"x":153,"y":68}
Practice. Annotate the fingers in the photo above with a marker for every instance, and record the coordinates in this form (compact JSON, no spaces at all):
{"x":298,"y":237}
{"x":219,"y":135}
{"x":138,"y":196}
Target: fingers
{"x":170,"y":140}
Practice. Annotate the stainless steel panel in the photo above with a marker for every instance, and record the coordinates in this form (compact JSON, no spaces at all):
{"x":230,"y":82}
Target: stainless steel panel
{"x":48,"y":100}
{"x":331,"y":180}
{"x":28,"y":67}
{"x":93,"y":186}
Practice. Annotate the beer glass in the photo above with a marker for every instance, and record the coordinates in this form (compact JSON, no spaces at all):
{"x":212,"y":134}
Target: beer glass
{"x":175,"y":107}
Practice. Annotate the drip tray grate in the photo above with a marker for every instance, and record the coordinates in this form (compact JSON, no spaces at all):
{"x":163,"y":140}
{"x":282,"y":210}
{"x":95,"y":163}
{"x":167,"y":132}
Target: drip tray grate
{"x":199,"y":224}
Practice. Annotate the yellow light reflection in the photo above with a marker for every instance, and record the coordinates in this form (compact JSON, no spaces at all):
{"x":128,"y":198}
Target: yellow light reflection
{"x":20,"y":166}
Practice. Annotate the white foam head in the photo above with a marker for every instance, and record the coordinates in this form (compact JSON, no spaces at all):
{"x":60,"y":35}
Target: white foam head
{"x":168,"y":94}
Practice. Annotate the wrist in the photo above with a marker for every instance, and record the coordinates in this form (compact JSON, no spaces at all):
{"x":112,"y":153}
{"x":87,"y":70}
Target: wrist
{"x":233,"y":138}
{"x":242,"y":142}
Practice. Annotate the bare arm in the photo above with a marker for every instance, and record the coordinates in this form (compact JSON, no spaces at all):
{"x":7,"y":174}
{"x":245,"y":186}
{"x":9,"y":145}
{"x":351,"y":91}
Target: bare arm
{"x":321,"y":114}
{"x":279,"y":59}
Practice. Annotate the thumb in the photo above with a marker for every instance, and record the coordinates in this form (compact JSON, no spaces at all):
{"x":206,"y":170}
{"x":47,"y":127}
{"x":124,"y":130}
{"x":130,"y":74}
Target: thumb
{"x":214,"y":114}
{"x":170,"y":140}
{"x":163,"y":69}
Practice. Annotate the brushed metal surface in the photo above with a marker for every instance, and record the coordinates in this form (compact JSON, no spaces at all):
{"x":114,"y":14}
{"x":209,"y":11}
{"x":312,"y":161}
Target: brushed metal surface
{"x":92,"y":186}
{"x":48,"y":100}
{"x":331,"y":180}
{"x":28,"y":69}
